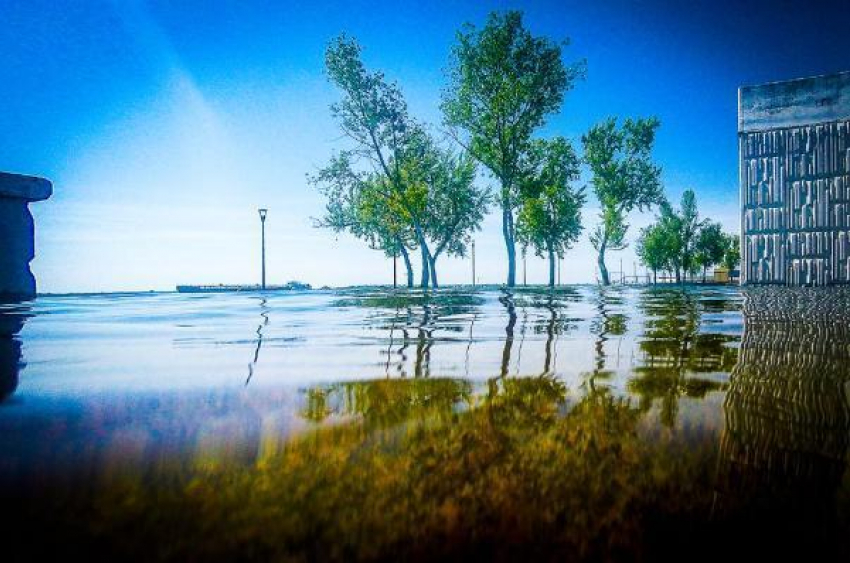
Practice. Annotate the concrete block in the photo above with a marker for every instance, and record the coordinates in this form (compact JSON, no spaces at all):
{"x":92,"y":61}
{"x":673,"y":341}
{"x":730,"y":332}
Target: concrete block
{"x":17,"y":232}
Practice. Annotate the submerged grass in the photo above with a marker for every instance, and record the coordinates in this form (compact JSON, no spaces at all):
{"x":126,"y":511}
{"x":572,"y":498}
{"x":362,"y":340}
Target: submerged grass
{"x":525,"y":472}
{"x":520,"y":474}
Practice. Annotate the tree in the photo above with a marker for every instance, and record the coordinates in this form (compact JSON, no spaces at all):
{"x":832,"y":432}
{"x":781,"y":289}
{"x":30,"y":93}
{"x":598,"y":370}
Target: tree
{"x":673,"y":242}
{"x":549,"y":220}
{"x":684,"y":226}
{"x":624,"y":178}
{"x":654,"y":248}
{"x":455,"y":206}
{"x":732,"y":254}
{"x":711,"y":245}
{"x":503,"y":84}
{"x":386,"y":141}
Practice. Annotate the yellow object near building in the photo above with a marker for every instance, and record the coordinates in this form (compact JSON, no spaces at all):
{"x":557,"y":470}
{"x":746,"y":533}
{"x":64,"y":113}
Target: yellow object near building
{"x":721,"y":275}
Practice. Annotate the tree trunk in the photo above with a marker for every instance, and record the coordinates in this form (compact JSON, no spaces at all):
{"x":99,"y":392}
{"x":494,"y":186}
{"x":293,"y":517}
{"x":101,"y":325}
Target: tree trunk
{"x":508,"y":233}
{"x":704,"y":269}
{"x":603,"y":271}
{"x":433,"y":257}
{"x":654,"y":277}
{"x":678,"y":275}
{"x":426,"y":256}
{"x":551,"y":267}
{"x":408,"y":266}
{"x":433,"y":262}
{"x":426,"y":269}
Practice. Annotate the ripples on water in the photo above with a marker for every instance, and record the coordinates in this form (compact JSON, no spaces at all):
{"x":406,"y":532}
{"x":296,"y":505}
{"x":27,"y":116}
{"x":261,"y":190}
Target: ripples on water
{"x":584,"y":422}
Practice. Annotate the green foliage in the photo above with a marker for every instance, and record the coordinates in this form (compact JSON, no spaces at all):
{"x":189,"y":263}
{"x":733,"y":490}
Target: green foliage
{"x":684,"y":226}
{"x":711,"y":246}
{"x":503,"y":84}
{"x":455,"y":205}
{"x":679,"y":241}
{"x":357,"y":202}
{"x":372,"y":112}
{"x":654,"y":247}
{"x":549,"y":220}
{"x":624,"y":178}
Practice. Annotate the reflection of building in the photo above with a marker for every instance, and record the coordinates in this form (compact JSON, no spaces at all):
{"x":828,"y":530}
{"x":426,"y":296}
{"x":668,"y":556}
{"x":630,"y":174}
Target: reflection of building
{"x":794,"y":149}
{"x":787,"y":408}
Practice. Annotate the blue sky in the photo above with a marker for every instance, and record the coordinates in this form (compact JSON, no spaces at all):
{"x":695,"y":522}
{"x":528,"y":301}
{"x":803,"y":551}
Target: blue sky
{"x":164,"y":125}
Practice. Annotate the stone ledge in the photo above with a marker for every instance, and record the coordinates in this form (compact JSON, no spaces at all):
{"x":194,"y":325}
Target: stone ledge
{"x":27,"y":188}
{"x":804,"y":101}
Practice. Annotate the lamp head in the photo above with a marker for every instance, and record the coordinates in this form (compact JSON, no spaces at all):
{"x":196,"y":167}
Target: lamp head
{"x":263,"y":214}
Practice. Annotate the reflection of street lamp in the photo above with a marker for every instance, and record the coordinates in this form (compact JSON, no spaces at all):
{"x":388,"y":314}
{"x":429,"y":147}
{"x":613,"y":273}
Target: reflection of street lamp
{"x":263,"y":228}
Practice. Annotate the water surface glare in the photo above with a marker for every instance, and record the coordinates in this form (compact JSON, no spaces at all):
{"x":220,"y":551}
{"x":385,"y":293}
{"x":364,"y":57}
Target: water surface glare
{"x":370,"y":424}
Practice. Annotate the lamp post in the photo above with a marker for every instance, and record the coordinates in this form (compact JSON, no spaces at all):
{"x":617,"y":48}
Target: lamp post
{"x":524,"y":269}
{"x":473,"y":263}
{"x":263,"y":213}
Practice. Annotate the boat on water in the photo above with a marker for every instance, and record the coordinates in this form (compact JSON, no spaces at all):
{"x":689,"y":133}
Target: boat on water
{"x":232,"y":288}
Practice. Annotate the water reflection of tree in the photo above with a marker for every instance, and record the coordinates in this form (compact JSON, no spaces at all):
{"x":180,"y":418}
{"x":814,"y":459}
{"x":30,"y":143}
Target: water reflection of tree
{"x":417,"y":315}
{"x":387,"y":402}
{"x":553,"y":324}
{"x":785,"y":445}
{"x":609,"y":321}
{"x":507,"y":300}
{"x":676,"y":350}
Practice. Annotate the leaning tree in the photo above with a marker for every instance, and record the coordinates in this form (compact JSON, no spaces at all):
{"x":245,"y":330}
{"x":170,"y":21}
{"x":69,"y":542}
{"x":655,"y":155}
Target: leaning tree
{"x":623,"y":177}
{"x":385,"y":143}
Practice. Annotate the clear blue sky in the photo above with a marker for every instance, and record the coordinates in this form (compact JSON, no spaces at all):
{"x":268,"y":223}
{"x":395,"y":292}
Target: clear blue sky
{"x":164,"y":125}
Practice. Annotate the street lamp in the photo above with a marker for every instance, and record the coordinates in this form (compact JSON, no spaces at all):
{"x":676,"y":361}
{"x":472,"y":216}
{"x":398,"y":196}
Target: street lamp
{"x":263,"y":213}
{"x":473,"y":263}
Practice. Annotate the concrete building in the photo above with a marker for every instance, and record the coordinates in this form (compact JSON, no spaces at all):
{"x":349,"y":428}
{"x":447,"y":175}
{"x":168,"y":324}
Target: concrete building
{"x":794,"y":154}
{"x":17,"y":233}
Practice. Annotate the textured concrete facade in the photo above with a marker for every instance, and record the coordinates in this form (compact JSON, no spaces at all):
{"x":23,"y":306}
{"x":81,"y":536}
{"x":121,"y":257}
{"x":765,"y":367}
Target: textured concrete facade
{"x":17,"y":244}
{"x":794,"y":153}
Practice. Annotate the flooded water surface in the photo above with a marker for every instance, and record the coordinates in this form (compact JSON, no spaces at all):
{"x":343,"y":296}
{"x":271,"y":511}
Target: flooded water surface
{"x":580,"y":423}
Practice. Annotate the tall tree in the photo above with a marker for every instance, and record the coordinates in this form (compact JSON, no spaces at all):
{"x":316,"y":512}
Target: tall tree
{"x":624,"y":178}
{"x":386,"y":140}
{"x":711,"y":245}
{"x":503,"y":84}
{"x":549,"y":220}
{"x":455,"y":206}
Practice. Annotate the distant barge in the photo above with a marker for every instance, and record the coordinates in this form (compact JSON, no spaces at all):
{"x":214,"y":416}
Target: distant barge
{"x":222,"y":288}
